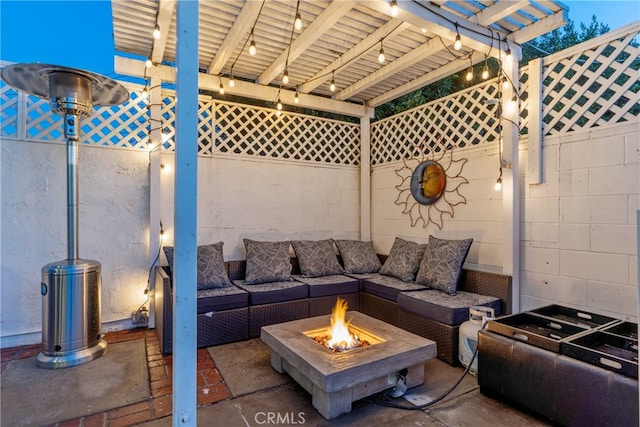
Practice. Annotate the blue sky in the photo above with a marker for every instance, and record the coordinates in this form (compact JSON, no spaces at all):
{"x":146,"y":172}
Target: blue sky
{"x":79,"y":33}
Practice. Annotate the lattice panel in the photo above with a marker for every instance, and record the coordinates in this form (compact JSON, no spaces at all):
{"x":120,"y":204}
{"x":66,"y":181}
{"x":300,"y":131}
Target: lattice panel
{"x":241,"y":129}
{"x":460,"y":120}
{"x":593,"y":87}
{"x":8,"y":111}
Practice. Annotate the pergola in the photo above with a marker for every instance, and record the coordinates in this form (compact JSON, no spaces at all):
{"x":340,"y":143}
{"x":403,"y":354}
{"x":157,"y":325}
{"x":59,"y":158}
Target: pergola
{"x":205,"y":46}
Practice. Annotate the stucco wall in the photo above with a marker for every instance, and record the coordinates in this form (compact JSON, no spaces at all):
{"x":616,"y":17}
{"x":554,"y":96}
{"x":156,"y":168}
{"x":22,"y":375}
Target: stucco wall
{"x":267,"y":200}
{"x":480,"y":217}
{"x":237,"y":197}
{"x":113,"y":228}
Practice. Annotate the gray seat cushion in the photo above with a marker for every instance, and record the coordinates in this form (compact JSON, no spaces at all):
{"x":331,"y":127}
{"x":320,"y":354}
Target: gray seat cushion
{"x":444,"y":308}
{"x":217,"y":299}
{"x":388,"y":287}
{"x":267,"y":293}
{"x":330,"y":285}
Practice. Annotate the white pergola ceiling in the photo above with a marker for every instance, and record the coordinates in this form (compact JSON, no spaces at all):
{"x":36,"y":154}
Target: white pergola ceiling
{"x":340,"y":38}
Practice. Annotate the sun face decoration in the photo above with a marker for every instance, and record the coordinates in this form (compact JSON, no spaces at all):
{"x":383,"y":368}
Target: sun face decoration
{"x":430,"y":187}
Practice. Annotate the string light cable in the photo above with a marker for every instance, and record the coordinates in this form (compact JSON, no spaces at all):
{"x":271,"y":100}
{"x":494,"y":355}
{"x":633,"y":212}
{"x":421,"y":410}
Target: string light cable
{"x":147,"y":290}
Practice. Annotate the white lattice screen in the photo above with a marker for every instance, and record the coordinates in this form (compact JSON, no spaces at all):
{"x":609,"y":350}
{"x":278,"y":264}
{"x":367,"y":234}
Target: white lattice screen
{"x":241,"y":129}
{"x":583,"y":87}
{"x":459,"y":120}
{"x":231,"y":128}
{"x":593,"y":86}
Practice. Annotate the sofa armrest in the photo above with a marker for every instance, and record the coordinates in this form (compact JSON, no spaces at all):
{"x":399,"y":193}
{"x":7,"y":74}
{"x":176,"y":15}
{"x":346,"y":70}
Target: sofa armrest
{"x":487,"y":283}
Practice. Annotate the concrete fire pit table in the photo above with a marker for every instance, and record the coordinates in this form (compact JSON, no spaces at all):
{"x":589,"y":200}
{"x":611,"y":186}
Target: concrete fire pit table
{"x":336,"y":379}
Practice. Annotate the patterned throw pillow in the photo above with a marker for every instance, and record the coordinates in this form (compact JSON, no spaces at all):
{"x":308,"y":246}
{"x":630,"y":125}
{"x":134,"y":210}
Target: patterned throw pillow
{"x":212,"y":272}
{"x":404,"y":260}
{"x":358,"y":257}
{"x":267,"y":262}
{"x":441,"y":265}
{"x":316,"y":258}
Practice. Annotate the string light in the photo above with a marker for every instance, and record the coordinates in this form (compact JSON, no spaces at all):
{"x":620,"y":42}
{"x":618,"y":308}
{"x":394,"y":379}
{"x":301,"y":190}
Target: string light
{"x":232,"y":83}
{"x":298,"y":22}
{"x":279,"y":103}
{"x":252,"y":46}
{"x":221,"y":88}
{"x":285,"y":76}
{"x":332,"y":86}
{"x":394,"y":8}
{"x":457,"y":45}
{"x":498,"y":185}
{"x":381,"y":54}
{"x":469,"y":75}
{"x":296,"y":97}
{"x":156,"y":32}
{"x":485,"y":70}
{"x":148,"y":63}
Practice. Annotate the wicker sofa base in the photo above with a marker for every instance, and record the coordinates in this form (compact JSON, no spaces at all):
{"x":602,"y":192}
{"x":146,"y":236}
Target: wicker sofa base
{"x":324,"y":305}
{"x":269,"y":314}
{"x":445,"y":336}
{"x":380,"y":308}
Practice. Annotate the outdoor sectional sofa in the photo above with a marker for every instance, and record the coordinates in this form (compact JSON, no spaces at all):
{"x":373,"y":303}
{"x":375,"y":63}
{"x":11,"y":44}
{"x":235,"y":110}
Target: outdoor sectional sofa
{"x":237,"y":311}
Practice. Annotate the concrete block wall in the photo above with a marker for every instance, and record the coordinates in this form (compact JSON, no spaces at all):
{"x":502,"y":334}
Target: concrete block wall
{"x":579,"y":225}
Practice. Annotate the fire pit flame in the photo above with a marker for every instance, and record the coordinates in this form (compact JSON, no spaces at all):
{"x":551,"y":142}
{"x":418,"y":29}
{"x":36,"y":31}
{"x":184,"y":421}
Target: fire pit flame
{"x":341,"y":338}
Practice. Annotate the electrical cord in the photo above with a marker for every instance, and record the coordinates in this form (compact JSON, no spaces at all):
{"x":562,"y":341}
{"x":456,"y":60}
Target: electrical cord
{"x":380,"y":401}
{"x":153,"y":264}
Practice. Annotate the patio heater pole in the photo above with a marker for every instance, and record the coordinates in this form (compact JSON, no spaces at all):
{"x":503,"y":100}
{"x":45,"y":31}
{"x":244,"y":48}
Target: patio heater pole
{"x":70,"y":288}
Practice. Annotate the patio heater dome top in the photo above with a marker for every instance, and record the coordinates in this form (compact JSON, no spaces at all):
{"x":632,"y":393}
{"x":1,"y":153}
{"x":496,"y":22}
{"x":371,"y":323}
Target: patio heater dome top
{"x":83,"y":89}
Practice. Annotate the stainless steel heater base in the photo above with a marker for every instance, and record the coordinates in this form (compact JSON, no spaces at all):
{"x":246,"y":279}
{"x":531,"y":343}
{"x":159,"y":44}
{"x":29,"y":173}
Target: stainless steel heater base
{"x":72,"y":358}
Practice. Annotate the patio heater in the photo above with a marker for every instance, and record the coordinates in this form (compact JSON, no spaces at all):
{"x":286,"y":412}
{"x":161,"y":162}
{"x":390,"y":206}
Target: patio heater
{"x":70,"y":288}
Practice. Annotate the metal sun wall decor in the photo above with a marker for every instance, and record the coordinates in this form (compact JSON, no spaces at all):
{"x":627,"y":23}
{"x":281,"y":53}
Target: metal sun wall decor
{"x":430,"y":185}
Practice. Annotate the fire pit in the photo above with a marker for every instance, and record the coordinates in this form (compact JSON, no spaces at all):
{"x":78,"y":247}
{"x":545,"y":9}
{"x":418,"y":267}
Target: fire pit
{"x":335,"y":379}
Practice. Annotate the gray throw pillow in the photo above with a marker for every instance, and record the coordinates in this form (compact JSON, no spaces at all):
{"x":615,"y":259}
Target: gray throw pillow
{"x":267,"y":262}
{"x":212,"y":272}
{"x":316,"y":258}
{"x":403,"y":260}
{"x":441,"y":265}
{"x":358,"y":257}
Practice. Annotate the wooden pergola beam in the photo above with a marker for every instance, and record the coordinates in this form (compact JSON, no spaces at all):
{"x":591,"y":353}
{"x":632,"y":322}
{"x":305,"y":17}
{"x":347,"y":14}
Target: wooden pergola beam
{"x":163,"y":20}
{"x":313,"y":32}
{"x":241,"y":26}
{"x":136,"y":68}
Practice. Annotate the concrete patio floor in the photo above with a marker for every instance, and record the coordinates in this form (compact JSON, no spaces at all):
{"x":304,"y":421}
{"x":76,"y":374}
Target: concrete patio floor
{"x":238,"y":387}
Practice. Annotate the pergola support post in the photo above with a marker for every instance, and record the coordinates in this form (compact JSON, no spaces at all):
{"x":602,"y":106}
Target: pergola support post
{"x":155,"y":138}
{"x":365,"y":176}
{"x":185,"y":214}
{"x":534,"y":156}
{"x":511,"y":180}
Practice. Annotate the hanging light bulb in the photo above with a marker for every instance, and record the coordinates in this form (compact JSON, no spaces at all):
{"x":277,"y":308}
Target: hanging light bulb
{"x":148,"y":63}
{"x":296,"y":97}
{"x":469,"y":75}
{"x":156,"y":32}
{"x":508,"y":57}
{"x":506,"y":85}
{"x":498,"y":185}
{"x":485,"y":71}
{"x":332,"y":86}
{"x":232,"y":83}
{"x":279,"y":104}
{"x":298,"y":22}
{"x":381,"y":54}
{"x":221,"y":89}
{"x":394,"y":8}
{"x":285,"y":77}
{"x":457,"y":45}
{"x":252,"y":46}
